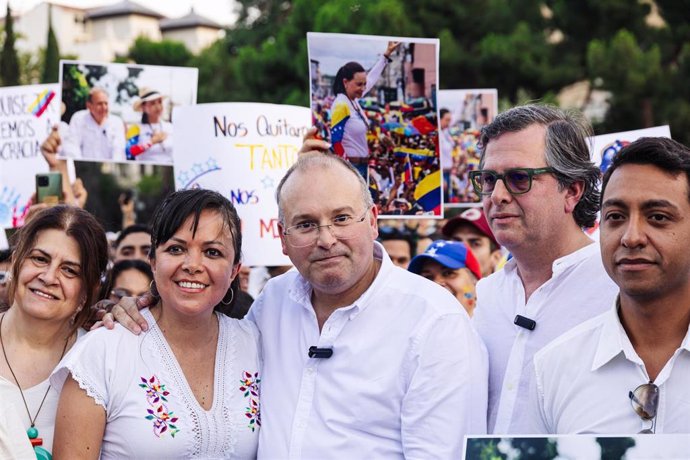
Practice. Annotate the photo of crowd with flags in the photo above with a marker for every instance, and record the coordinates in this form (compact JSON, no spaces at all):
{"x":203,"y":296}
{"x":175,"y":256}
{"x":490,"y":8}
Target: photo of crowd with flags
{"x":462,"y":114}
{"x":403,"y":168}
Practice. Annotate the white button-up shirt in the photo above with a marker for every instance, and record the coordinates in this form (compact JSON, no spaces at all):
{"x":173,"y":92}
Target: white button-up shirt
{"x":583,"y":379}
{"x":88,"y":140}
{"x":407,"y":379}
{"x":578,"y":290}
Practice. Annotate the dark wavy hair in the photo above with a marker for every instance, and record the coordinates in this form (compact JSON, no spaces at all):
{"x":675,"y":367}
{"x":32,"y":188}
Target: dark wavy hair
{"x":177,"y":207}
{"x":346,"y":72}
{"x":567,"y":149}
{"x":89,"y":236}
{"x":666,"y":154}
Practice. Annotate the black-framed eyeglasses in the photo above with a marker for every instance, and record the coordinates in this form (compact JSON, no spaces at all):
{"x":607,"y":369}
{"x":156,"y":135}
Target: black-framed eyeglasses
{"x":307,"y":233}
{"x":516,"y":180}
{"x":645,"y":402}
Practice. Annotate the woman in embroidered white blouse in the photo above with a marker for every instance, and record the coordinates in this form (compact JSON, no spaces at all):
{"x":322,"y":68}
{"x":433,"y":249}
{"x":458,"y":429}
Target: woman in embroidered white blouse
{"x":189,"y":387}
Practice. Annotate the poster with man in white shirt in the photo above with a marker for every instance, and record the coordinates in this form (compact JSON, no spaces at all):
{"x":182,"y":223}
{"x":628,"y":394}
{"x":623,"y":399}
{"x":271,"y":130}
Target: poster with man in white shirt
{"x":95,"y":133}
{"x":627,"y":370}
{"x":539,"y":189}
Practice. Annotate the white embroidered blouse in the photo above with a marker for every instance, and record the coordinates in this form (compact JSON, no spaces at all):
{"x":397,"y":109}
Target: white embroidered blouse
{"x":151,"y":411}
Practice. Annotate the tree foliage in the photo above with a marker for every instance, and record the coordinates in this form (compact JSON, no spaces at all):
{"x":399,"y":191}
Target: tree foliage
{"x":527,"y":49}
{"x":9,"y":61}
{"x":165,"y":52}
{"x":51,"y":64}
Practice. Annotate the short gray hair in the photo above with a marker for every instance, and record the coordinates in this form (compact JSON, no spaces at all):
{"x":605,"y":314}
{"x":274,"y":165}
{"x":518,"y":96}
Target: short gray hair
{"x":94,"y":90}
{"x":567,"y":149}
{"x":320,"y":160}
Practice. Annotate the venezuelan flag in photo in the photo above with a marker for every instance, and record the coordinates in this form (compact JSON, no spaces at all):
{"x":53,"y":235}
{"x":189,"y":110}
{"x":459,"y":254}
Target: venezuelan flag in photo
{"x":428,"y":192}
{"x":339,"y":117}
{"x":41,"y":103}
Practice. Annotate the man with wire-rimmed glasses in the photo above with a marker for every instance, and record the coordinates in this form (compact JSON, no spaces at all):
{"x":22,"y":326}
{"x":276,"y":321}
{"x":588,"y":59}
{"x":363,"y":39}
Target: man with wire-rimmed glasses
{"x":362,"y":359}
{"x":628,"y":370}
{"x":539,"y":190}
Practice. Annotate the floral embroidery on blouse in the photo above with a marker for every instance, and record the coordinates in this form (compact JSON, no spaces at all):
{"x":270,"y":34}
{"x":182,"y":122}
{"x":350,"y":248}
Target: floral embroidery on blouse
{"x":163,"y":419}
{"x":249,"y":384}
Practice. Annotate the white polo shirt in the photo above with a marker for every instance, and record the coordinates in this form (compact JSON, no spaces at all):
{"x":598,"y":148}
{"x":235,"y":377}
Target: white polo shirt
{"x":578,"y":290}
{"x":583,"y":379}
{"x":407,"y":378}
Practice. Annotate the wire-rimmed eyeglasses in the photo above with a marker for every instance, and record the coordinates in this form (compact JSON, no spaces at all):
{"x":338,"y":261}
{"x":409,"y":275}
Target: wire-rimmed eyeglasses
{"x":307,"y":233}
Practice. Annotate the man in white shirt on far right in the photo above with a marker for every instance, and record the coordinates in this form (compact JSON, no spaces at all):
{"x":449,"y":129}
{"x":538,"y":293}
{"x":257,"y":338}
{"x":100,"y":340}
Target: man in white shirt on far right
{"x":628,"y":370}
{"x":539,"y":189}
{"x":94,"y":133}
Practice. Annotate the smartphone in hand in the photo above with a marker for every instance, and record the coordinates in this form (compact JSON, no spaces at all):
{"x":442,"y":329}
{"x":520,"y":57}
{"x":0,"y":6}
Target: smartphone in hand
{"x":49,"y":188}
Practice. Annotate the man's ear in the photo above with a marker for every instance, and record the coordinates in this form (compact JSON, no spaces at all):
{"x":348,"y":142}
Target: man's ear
{"x":375,"y":221}
{"x":573,"y":195}
{"x":283,"y":241}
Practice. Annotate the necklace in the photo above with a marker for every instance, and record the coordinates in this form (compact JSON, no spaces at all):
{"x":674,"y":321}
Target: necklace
{"x":32,"y":432}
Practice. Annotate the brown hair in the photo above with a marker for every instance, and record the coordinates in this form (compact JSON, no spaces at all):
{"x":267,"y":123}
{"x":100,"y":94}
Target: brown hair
{"x":89,"y":236}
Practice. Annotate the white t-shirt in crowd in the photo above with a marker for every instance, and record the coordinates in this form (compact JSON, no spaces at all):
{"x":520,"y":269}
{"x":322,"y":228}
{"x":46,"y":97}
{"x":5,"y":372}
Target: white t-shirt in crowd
{"x":584,"y":377}
{"x":407,"y":378}
{"x":151,"y":411}
{"x":578,"y":290}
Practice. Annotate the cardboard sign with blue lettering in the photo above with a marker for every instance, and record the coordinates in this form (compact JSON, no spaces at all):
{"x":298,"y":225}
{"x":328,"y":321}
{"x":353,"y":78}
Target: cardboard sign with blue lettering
{"x":241,"y":150}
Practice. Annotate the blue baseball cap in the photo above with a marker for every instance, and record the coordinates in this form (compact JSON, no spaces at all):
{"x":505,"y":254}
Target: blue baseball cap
{"x":450,"y":254}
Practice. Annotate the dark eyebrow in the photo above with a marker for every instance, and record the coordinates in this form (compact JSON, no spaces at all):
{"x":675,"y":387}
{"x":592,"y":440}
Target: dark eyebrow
{"x":181,"y":241}
{"x":649,"y":204}
{"x":68,"y":262}
{"x":614,"y":202}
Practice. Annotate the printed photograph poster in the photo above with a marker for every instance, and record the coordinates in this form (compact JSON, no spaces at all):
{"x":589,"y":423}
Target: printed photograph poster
{"x":462,"y":115}
{"x":580,"y":447}
{"x":27,"y":115}
{"x":242,"y":150}
{"x":116,"y":112}
{"x":606,"y":146}
{"x":374,"y":99}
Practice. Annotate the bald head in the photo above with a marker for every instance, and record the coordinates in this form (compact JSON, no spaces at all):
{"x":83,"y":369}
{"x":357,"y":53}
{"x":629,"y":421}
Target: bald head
{"x":312,"y":163}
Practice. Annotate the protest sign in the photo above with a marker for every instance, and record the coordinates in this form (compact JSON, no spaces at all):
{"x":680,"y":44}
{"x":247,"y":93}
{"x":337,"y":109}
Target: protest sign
{"x":241,"y":150}
{"x":27,"y":115}
{"x":374,"y":99}
{"x":462,"y":114}
{"x":606,"y":146}
{"x":135,"y":123}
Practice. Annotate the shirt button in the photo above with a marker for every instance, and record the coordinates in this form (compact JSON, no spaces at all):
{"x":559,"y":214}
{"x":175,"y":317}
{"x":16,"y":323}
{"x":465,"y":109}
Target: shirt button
{"x":310,"y":370}
{"x":511,"y":387}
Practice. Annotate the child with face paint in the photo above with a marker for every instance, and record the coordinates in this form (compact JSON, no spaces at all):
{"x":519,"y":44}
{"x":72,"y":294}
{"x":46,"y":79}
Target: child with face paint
{"x":452,"y":265}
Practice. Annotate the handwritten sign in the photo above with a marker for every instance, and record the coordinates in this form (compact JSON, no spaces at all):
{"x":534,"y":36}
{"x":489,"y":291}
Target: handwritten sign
{"x":241,"y":150}
{"x":27,"y":114}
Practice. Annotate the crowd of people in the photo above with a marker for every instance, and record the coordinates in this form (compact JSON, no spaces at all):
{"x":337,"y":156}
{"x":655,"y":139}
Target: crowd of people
{"x":386,"y":338}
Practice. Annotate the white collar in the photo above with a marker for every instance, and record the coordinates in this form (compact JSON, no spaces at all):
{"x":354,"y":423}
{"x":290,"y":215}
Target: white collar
{"x":301,"y":290}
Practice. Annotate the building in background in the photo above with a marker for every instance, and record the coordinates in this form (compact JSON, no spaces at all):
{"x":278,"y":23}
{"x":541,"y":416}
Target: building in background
{"x":103,"y":33}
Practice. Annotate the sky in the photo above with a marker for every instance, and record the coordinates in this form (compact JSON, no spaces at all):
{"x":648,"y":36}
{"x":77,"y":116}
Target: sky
{"x":220,"y":11}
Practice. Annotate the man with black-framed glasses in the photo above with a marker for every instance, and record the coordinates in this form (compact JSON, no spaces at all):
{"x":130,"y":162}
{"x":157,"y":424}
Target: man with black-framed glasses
{"x":539,"y":190}
{"x":628,"y":370}
{"x":361,"y":359}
